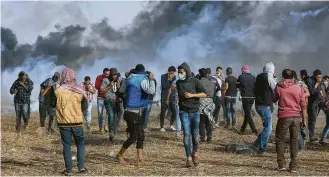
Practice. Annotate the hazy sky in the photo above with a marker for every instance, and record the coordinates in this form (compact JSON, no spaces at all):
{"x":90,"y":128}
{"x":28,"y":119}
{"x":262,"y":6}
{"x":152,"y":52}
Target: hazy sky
{"x":30,"y":19}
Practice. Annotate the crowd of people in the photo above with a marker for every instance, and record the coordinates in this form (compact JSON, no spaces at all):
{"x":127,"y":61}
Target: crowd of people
{"x":194,"y":102}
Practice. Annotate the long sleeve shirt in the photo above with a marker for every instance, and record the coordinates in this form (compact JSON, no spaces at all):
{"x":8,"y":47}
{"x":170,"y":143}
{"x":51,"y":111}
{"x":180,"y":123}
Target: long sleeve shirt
{"x":23,"y":94}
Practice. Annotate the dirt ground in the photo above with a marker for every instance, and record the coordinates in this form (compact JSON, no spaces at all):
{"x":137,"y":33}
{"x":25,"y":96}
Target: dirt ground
{"x":31,"y":153}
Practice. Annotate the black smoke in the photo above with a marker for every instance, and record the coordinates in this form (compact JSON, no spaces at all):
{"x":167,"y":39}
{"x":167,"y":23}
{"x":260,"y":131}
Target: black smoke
{"x":287,"y":33}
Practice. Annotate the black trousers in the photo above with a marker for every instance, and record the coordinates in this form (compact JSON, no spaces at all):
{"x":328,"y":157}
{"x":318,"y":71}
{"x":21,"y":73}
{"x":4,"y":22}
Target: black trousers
{"x":218,"y":102}
{"x":164,"y":108}
{"x":312,"y":112}
{"x":247,"y":105}
{"x":205,"y":127}
{"x":135,"y":129}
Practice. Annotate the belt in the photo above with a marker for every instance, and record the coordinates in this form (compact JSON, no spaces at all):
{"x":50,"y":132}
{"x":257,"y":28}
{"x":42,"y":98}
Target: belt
{"x":230,"y":96}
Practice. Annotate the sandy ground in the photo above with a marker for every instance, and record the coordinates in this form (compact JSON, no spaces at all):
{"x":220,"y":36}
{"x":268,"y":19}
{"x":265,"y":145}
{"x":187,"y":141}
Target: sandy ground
{"x":31,"y":153}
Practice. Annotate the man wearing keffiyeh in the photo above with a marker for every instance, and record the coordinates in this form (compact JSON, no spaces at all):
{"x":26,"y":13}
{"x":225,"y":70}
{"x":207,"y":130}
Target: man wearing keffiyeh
{"x":71,"y":102}
{"x":207,"y":107}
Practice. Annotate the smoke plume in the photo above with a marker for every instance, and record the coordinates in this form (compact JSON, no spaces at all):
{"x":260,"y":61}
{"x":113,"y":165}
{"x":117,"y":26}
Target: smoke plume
{"x":204,"y":34}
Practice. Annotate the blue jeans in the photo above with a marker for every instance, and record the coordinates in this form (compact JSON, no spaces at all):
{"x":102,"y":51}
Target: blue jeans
{"x":325,"y":129}
{"x":265,"y":113}
{"x":100,"y":108}
{"x":147,"y":114}
{"x":178,"y":122}
{"x":230,"y":108}
{"x":21,"y":110}
{"x":66,"y":136}
{"x":191,"y":123}
{"x":302,"y":133}
{"x":87,"y":114}
{"x":110,"y":107}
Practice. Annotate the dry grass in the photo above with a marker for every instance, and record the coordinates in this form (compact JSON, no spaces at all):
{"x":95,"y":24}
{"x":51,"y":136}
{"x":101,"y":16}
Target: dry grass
{"x":31,"y":154}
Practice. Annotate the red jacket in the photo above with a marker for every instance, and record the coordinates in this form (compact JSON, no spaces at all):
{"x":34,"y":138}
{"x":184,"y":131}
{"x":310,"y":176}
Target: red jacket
{"x":291,"y":99}
{"x":98,"y":84}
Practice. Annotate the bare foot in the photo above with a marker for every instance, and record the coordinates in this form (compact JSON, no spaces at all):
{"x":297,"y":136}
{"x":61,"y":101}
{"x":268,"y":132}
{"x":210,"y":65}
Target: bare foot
{"x":140,"y":162}
{"x":120,"y":159}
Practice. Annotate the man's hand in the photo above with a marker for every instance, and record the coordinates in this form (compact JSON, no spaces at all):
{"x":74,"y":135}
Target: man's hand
{"x":49,"y":86}
{"x":274,"y":75}
{"x":188,"y":95}
{"x":303,"y":124}
{"x":21,"y":83}
{"x":14,"y":91}
{"x":151,"y":75}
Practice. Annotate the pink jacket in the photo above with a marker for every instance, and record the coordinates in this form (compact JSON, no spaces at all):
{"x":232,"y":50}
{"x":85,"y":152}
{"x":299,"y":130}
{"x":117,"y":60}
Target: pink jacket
{"x":291,"y":99}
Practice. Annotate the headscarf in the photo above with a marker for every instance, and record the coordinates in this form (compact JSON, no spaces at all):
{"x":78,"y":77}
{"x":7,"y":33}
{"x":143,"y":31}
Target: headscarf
{"x":245,"y":69}
{"x":269,"y":69}
{"x":68,"y":82}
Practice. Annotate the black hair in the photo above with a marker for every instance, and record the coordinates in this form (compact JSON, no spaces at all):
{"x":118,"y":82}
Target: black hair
{"x":203,"y":72}
{"x":287,"y":74}
{"x":325,"y":77}
{"x":87,"y":78}
{"x":208,"y":70}
{"x":106,"y":70}
{"x":219,"y":67}
{"x":172,"y":69}
{"x":229,"y":70}
{"x":140,"y":68}
{"x":294,"y":74}
{"x":303,"y":72}
{"x":21,"y":74}
{"x":317,"y":72}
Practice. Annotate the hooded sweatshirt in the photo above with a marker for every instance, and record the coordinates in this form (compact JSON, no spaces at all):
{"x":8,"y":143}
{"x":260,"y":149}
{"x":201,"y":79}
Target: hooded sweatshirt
{"x":291,"y":99}
{"x":189,"y":85}
{"x":264,"y":86}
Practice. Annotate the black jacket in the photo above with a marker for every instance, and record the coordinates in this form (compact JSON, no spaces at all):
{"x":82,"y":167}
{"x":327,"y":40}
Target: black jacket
{"x":246,"y":84}
{"x":263,"y":92}
{"x":189,"y":85}
{"x":314,"y":92}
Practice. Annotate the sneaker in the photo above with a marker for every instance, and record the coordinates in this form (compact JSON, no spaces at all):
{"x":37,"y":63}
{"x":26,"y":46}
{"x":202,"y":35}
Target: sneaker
{"x":172,"y":128}
{"x":195,"y":160}
{"x":188,"y":163}
{"x":66,"y":173}
{"x":146,"y":130}
{"x":84,"y":170}
{"x":281,"y":169}
{"x":323,"y":143}
{"x":24,"y":127}
{"x":301,"y":151}
{"x":241,"y":132}
{"x":178,"y":134}
{"x":216,"y":125}
{"x":293,"y":170}
{"x":105,"y":128}
{"x":202,"y":140}
{"x":111,"y":137}
{"x":312,"y":139}
{"x":209,"y":140}
{"x":227,"y":126}
{"x":162,"y":130}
